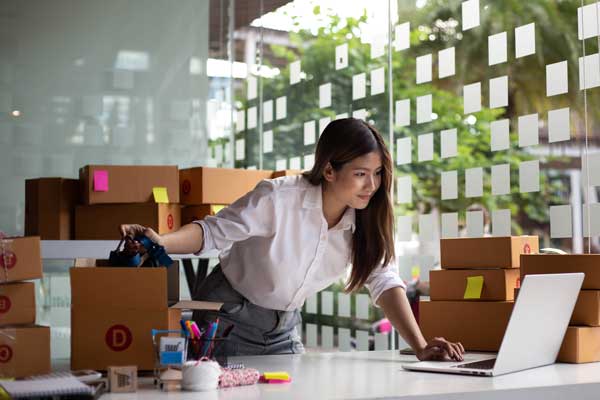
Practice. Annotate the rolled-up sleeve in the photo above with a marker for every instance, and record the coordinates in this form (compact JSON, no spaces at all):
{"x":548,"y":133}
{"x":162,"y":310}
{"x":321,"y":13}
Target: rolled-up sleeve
{"x":251,"y":215}
{"x":383,"y":278}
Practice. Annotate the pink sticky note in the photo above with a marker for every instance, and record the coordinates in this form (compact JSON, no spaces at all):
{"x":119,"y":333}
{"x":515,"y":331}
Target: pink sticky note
{"x":100,"y":180}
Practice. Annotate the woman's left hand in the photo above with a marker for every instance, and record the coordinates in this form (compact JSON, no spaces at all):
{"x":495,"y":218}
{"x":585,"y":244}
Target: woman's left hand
{"x":439,"y":349}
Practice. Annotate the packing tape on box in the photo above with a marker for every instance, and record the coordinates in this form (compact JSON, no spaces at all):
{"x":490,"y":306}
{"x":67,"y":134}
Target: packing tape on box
{"x":6,"y":257}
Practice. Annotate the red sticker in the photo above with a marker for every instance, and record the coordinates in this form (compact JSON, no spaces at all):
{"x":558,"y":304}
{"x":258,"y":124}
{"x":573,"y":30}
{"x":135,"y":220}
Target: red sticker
{"x":5,"y":304}
{"x":118,"y":337}
{"x":170,"y":221}
{"x":186,"y":186}
{"x":527,"y":248}
{"x":10,"y":257}
{"x":6,"y":353}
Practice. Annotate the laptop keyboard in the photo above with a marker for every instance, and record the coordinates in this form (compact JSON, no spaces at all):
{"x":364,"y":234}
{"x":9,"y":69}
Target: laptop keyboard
{"x":485,"y":364}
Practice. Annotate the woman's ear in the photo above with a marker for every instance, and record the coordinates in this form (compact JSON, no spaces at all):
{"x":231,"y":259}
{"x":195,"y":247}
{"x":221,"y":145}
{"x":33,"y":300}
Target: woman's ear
{"x":329,"y":173}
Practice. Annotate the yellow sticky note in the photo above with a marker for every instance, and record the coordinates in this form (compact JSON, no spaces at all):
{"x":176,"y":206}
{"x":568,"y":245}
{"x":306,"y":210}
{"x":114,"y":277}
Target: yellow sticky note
{"x":215,"y":208}
{"x":415,"y":272}
{"x":474,"y":287}
{"x":280,"y":375}
{"x":160,"y":194}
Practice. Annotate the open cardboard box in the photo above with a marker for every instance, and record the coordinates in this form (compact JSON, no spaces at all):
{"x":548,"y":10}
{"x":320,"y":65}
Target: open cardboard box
{"x":20,"y":259}
{"x":486,"y":252}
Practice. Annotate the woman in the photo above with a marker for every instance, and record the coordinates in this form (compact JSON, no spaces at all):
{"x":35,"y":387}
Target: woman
{"x":294,"y":236}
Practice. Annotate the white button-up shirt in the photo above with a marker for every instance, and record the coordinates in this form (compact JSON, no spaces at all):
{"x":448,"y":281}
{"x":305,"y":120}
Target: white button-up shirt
{"x":277,"y":249}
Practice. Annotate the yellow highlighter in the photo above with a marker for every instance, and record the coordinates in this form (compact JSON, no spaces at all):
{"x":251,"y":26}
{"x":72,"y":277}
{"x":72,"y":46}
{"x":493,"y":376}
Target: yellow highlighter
{"x":279,"y":375}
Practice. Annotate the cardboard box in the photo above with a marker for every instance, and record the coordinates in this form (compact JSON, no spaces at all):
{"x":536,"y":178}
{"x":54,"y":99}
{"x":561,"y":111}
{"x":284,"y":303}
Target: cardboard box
{"x":580,"y":345}
{"x":203,"y":185}
{"x":101,"y":184}
{"x":17,"y":303}
{"x":24,"y":351}
{"x":50,"y":208}
{"x":479,"y":326}
{"x":587,"y":308}
{"x":20,"y":259}
{"x":190,"y":214}
{"x":498,"y":284}
{"x":564,"y":263}
{"x":286,"y":172}
{"x":487,"y":252}
{"x":101,"y":222}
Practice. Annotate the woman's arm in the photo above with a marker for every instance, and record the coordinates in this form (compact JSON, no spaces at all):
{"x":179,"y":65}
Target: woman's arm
{"x":187,"y":239}
{"x":397,"y":309}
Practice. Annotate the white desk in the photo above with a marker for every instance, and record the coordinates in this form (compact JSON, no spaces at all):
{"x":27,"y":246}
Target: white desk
{"x":361,"y":375}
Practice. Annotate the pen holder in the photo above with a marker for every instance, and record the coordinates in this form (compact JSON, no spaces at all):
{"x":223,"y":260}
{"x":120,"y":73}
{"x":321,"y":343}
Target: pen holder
{"x":214,"y":349}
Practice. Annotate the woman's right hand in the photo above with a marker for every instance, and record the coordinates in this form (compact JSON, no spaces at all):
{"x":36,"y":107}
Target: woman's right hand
{"x":133,"y":230}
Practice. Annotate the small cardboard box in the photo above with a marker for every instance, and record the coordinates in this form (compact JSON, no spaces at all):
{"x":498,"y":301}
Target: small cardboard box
{"x":498,"y":284}
{"x":190,"y":214}
{"x":286,"y":172}
{"x":203,"y":185}
{"x":20,"y":259}
{"x":101,"y":184}
{"x":101,"y":222}
{"x":50,"y":208}
{"x":17,"y":303}
{"x":580,"y":345}
{"x":24,"y":351}
{"x":479,"y":326}
{"x":587,"y":308}
{"x":487,"y":252}
{"x":564,"y":263}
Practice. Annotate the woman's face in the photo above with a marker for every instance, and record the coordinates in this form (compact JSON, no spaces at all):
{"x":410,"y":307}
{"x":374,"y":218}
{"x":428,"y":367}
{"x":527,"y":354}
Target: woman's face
{"x":357,"y":181}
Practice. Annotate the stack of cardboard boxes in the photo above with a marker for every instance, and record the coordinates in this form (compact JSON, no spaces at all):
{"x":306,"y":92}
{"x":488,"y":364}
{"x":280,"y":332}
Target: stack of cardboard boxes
{"x":24,"y":346}
{"x":473,"y":295}
{"x":582,"y":339}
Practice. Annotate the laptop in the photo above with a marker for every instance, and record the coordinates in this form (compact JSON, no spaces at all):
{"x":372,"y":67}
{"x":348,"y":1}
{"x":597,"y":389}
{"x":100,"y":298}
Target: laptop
{"x":534,"y":334}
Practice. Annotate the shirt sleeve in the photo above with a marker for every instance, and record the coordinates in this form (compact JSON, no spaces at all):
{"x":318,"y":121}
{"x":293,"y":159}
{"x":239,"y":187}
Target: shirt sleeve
{"x":251,"y":215}
{"x":383,"y":278}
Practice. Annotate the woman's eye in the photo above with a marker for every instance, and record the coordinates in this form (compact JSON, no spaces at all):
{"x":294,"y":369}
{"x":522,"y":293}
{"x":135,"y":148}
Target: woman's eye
{"x":378,"y":173}
{"x":360,"y":174}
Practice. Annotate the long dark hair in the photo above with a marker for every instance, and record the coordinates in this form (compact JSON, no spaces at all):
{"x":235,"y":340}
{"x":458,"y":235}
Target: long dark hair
{"x":372,"y":243}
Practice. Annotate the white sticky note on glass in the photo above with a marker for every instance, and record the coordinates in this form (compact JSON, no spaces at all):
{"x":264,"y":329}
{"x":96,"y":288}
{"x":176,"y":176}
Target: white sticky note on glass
{"x":559,"y":125}
{"x":501,"y":223}
{"x":381,"y":342}
{"x":589,"y":73}
{"x":359,"y":86}
{"x":591,"y":163}
{"x":377,"y":81}
{"x":500,"y":179}
{"x":472,"y":98}
{"x":591,"y":215}
{"x":474,"y":223}
{"x":404,"y":151}
{"x":497,"y":49}
{"x":267,"y":142}
{"x":311,"y":335}
{"x":344,"y":339}
{"x":240,"y":149}
{"x":280,"y":165}
{"x":252,"y":85}
{"x":268,"y":111}
{"x":295,"y":69}
{"x":309,"y":132}
{"x":343,"y":305}
{"x":561,"y":221}
{"x":557,"y":78}
{"x":528,"y":130}
{"x":426,"y":228}
{"x":341,"y":56}
{"x":360,"y":114}
{"x":309,"y":161}
{"x":424,"y":108}
{"x":425,"y":147}
{"x":325,"y":95}
{"x":402,"y":36}
{"x":446,"y":63}
{"x":470,"y":14}
{"x":240,"y":121}
{"x":341,"y":116}
{"x":587,"y":20}
{"x":402,"y":112}
{"x":499,"y":92}
{"x":500,"y":137}
{"x":362,"y":306}
{"x":529,"y":176}
{"x":295,"y":163}
{"x":404,"y":189}
{"x":404,"y":228}
{"x":449,"y":225}
{"x":362,"y":340}
{"x":327,"y":303}
{"x":323,"y":122}
{"x":449,"y":183}
{"x":281,"y":107}
{"x":448,"y":141}
{"x":424,"y":67}
{"x":377,"y":46}
{"x":311,"y":304}
{"x":474,"y":182}
{"x":525,"y":40}
{"x":327,"y":337}
{"x":252,"y":117}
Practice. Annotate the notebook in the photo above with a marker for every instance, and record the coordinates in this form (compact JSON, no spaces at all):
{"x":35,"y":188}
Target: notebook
{"x":56,"y":386}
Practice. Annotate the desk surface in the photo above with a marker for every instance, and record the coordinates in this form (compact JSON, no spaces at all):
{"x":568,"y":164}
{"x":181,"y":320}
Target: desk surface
{"x":359,"y":375}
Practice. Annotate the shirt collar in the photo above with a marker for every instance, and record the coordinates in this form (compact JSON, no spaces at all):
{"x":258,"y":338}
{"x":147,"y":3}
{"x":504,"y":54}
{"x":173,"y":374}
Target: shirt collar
{"x":313,"y":198}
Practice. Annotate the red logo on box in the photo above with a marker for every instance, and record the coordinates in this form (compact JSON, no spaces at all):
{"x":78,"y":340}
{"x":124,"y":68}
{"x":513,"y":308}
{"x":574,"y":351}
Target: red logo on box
{"x":6,"y":353}
{"x":527,"y":248}
{"x":118,"y":337}
{"x":170,"y":221}
{"x":186,"y":187}
{"x":9,"y":258}
{"x":5,"y":304}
